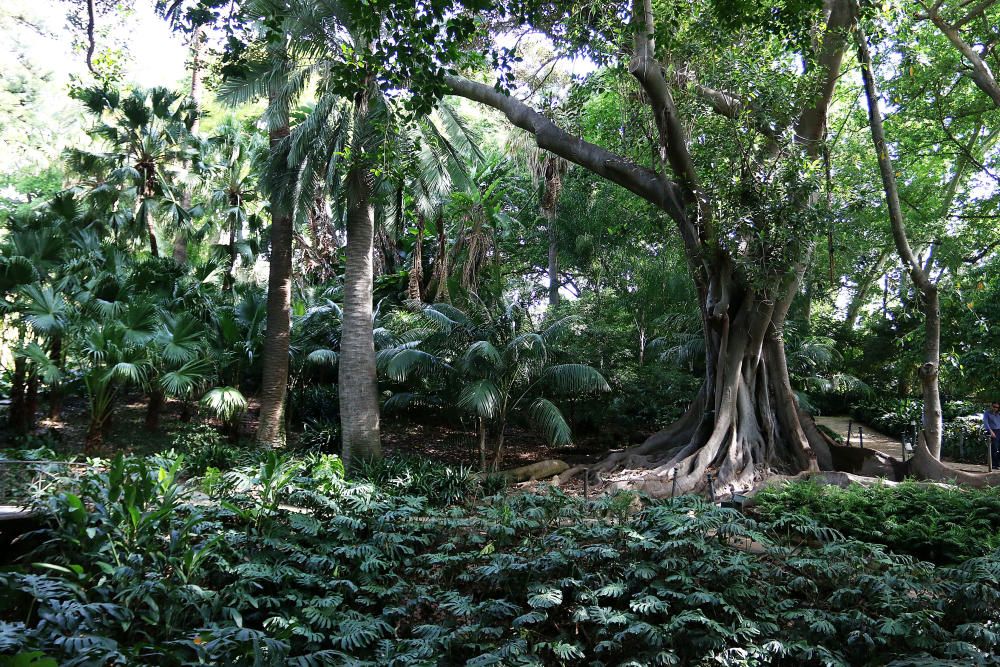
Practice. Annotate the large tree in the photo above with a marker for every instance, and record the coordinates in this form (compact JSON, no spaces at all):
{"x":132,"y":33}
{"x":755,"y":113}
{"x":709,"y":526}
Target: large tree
{"x":744,"y":419}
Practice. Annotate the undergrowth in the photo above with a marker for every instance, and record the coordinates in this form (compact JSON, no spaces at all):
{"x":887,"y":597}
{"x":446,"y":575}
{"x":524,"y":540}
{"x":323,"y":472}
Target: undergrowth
{"x":294,"y":565}
{"x":944,"y":525}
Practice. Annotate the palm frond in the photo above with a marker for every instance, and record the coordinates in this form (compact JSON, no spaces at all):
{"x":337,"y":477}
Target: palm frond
{"x":548,"y":419}
{"x":574,"y":379}
{"x":481,"y":397}
{"x":226,"y":403}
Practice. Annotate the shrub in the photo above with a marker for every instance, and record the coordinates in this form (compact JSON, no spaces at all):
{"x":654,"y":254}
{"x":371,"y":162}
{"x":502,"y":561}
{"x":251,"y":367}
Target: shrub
{"x":440,"y":484}
{"x":204,"y":447}
{"x":942,"y":525}
{"x":288,"y":571}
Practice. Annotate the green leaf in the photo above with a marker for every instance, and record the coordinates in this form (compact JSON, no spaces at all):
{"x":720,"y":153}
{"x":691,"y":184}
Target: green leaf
{"x":481,"y":397}
{"x":550,"y":421}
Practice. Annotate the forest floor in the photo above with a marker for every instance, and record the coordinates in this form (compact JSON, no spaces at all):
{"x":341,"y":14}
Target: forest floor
{"x":879,"y":441}
{"x":400,"y":437}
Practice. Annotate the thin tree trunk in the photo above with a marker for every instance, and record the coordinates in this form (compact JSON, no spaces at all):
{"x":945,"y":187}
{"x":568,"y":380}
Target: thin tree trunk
{"x":442,"y":294}
{"x":30,"y":402}
{"x":274,"y":380}
{"x":498,"y":451}
{"x":55,"y":389}
{"x":15,"y":417}
{"x":359,"y":410}
{"x":153,"y":409}
{"x":154,"y":247}
{"x":413,"y":288}
{"x":481,"y":433}
{"x":930,"y":369}
{"x":91,"y":39}
{"x":552,"y":188}
{"x":553,"y":262}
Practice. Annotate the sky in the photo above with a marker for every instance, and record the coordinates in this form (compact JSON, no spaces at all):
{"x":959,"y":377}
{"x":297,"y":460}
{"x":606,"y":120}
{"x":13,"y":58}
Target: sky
{"x":36,"y":44}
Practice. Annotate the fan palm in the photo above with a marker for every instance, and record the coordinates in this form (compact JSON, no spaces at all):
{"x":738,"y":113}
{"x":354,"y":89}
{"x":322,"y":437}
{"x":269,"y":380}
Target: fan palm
{"x":146,"y":139}
{"x":498,"y":364}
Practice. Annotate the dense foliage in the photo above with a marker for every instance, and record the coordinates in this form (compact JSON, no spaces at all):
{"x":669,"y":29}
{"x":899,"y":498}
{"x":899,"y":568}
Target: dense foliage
{"x":944,"y":525}
{"x":299,"y":566}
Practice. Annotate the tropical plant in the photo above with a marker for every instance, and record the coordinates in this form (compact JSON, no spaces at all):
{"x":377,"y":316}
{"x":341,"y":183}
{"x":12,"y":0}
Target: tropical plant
{"x":146,"y":139}
{"x":497,"y":364}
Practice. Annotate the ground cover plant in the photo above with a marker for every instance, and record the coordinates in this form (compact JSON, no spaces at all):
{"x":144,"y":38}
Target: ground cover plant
{"x":943,"y":525}
{"x":296,"y":565}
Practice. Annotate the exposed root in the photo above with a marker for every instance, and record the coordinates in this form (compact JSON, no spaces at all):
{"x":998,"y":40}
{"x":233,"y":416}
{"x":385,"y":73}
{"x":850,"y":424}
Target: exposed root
{"x":926,"y":467}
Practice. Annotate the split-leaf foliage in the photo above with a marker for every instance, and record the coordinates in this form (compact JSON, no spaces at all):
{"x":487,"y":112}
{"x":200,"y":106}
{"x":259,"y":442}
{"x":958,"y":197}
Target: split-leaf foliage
{"x":299,"y":566}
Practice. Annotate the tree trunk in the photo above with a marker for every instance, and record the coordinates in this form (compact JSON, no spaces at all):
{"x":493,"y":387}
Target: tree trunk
{"x":274,"y":380}
{"x":359,"y":410}
{"x":15,"y":416}
{"x":930,"y":375}
{"x":498,"y":449}
{"x":30,"y":402}
{"x":481,"y":437}
{"x":549,"y":207}
{"x":55,"y":389}
{"x":553,"y":263}
{"x":413,"y":288}
{"x":441,"y":294}
{"x":919,"y":272}
{"x":743,"y":424}
{"x":153,"y":409}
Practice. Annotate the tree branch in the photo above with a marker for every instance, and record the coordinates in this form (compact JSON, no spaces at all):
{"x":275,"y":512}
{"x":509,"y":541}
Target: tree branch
{"x":672,"y":138}
{"x":91,"y":43}
{"x":980,"y":74}
{"x":637,"y":179}
{"x":917,"y":273}
{"x":811,"y":125}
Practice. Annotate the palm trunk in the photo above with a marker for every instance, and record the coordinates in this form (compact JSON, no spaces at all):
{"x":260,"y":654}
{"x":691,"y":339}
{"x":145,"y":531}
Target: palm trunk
{"x":413,"y":288}
{"x":498,"y":450}
{"x":481,"y":436}
{"x":442,"y":294}
{"x":153,"y":410}
{"x":359,"y":410}
{"x":549,"y":207}
{"x":274,"y":380}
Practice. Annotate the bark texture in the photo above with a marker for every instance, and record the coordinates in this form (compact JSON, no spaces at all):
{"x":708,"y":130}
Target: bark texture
{"x":745,"y":421}
{"x":274,"y":381}
{"x":359,"y":410}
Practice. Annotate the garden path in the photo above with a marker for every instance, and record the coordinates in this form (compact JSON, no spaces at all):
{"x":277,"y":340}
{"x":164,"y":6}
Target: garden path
{"x":879,"y":441}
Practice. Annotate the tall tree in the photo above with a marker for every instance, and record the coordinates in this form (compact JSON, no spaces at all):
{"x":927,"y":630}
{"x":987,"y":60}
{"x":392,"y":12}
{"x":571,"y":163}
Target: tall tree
{"x":919,"y":273}
{"x":745,"y":417}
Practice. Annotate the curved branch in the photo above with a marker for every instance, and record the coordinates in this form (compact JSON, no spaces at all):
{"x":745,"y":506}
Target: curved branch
{"x":811,"y":125}
{"x":617,"y":169}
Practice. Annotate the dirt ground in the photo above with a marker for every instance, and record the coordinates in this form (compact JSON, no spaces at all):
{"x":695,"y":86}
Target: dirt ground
{"x":435,"y":441}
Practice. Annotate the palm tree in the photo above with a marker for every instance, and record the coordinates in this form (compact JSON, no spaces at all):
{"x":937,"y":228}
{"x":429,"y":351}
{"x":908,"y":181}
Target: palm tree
{"x":335,"y":149}
{"x":498,"y":364}
{"x":236,"y":169}
{"x":146,"y":134}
